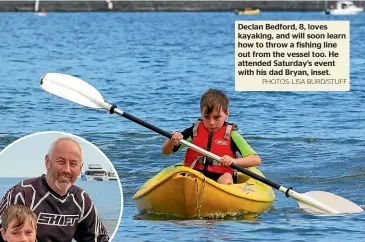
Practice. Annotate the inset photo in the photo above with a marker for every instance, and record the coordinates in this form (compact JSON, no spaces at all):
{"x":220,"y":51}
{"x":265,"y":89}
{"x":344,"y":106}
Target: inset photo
{"x":58,"y":186}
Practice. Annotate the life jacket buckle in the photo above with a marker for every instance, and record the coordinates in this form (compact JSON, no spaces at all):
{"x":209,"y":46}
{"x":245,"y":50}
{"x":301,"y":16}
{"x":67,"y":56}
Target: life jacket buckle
{"x":208,"y":160}
{"x":205,"y":160}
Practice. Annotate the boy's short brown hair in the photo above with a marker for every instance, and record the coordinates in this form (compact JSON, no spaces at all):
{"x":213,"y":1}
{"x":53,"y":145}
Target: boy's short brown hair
{"x":19,"y":214}
{"x":214,"y":99}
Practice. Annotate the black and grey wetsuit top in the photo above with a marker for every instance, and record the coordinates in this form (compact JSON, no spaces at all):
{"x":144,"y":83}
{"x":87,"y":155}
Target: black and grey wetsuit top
{"x":60,"y":218}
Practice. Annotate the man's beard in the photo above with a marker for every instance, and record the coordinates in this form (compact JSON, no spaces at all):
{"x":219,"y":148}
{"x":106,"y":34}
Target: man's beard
{"x":63,"y":184}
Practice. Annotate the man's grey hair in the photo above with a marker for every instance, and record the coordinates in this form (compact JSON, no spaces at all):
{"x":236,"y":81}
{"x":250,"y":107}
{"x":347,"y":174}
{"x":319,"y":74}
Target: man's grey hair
{"x":51,"y":148}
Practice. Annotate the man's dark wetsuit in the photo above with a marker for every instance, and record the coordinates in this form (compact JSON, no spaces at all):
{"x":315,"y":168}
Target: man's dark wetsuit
{"x":60,"y":218}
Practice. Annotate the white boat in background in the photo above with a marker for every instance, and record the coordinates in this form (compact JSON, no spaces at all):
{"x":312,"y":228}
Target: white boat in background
{"x":95,"y":173}
{"x":344,"y":8}
{"x":36,"y":9}
{"x":112,"y":175}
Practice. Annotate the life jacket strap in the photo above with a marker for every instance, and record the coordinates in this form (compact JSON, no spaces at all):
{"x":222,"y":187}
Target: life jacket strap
{"x":195,"y":129}
{"x":227,"y":134}
{"x":193,"y":164}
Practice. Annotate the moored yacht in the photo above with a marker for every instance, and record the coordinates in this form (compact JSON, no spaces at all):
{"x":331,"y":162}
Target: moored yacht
{"x":344,"y":8}
{"x":95,"y":173}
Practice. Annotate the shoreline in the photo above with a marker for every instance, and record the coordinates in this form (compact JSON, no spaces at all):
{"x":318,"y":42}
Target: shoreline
{"x":164,"y":6}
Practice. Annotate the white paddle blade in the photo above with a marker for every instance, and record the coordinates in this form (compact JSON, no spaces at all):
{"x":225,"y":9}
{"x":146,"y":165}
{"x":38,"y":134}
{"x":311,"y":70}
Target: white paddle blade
{"x":336,"y":203}
{"x":73,"y":89}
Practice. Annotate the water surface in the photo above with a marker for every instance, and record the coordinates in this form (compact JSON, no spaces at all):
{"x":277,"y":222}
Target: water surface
{"x":156,"y":66}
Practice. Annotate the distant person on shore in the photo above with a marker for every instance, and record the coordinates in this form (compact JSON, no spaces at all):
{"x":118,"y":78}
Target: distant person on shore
{"x":19,"y":224}
{"x":64,"y":211}
{"x":213,"y":133}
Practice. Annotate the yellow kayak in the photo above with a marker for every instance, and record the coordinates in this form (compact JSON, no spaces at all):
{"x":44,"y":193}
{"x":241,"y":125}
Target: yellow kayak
{"x":186,"y":193}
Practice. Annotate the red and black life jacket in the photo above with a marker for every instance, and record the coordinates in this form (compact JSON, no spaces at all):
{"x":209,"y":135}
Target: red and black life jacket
{"x":218,"y":143}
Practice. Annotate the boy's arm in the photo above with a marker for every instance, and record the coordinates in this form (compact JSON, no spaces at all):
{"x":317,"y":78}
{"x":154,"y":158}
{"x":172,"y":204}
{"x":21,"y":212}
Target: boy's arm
{"x":249,"y":156}
{"x":169,"y":144}
{"x":248,"y":161}
{"x":172,"y":145}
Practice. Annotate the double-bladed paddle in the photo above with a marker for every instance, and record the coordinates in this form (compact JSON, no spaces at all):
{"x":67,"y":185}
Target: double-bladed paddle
{"x":76,"y":90}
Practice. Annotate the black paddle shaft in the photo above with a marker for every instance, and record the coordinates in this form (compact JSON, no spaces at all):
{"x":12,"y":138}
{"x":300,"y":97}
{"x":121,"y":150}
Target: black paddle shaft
{"x":255,"y":176}
{"x":168,"y":135}
{"x":147,"y":125}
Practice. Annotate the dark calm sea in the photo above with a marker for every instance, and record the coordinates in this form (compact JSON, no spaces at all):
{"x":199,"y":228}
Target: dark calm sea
{"x":155,"y":66}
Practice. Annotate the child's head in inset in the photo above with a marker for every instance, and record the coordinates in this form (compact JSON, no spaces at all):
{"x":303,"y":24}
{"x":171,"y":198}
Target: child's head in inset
{"x":19,"y":224}
{"x":214,"y":109}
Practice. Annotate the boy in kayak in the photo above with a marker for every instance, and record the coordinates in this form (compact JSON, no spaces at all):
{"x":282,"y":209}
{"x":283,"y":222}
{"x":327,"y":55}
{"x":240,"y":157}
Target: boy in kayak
{"x":19,"y":224}
{"x":214,"y":134}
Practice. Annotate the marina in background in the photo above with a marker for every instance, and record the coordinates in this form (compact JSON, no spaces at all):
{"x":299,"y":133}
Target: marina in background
{"x":159,"y":5}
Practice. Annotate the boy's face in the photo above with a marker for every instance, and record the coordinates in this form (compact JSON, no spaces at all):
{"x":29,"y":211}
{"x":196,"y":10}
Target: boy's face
{"x":26,"y":233}
{"x":215,"y":120}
